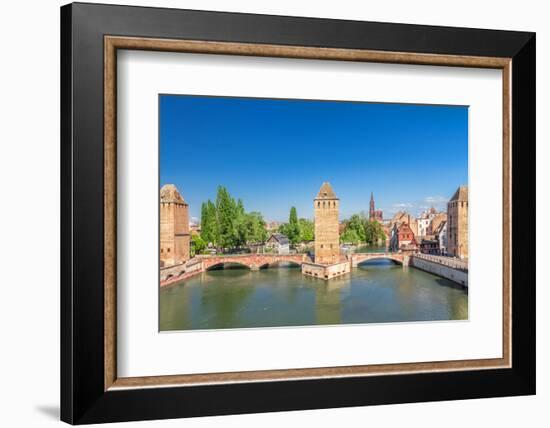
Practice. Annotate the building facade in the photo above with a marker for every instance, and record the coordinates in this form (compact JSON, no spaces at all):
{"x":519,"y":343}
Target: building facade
{"x":374,"y":214}
{"x":279,"y":243}
{"x":406,"y":237}
{"x":174,"y":226}
{"x":429,"y":246}
{"x":327,"y":238}
{"x":441,"y":235}
{"x":404,"y":217}
{"x":423,"y":225}
{"x":457,"y":224}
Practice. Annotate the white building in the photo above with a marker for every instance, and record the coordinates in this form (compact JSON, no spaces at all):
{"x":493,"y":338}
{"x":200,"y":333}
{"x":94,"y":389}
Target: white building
{"x":441,"y":234}
{"x":423,"y":225}
{"x":279,"y":243}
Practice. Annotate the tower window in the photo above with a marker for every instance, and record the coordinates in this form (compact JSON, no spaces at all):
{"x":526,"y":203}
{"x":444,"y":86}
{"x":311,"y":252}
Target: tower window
{"x":318,"y":204}
{"x":168,"y":250}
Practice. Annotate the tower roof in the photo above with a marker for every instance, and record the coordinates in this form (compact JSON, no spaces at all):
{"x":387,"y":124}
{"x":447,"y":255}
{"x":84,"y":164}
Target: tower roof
{"x":170,"y":193}
{"x":461,"y":194}
{"x":326,"y":192}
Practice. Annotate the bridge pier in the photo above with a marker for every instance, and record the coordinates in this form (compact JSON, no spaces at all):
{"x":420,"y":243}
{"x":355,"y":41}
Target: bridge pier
{"x":254,"y":268}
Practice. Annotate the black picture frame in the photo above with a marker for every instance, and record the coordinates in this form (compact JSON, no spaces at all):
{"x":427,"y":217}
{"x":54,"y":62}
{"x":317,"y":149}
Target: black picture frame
{"x":83,"y":398}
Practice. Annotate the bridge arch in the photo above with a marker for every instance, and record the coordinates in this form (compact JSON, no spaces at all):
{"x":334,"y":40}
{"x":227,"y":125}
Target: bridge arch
{"x":273,"y":263}
{"x":370,"y":259}
{"x":226,"y":262}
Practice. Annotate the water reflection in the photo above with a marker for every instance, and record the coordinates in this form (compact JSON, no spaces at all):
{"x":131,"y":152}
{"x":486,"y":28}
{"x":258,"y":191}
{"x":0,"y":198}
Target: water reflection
{"x":377,"y":291}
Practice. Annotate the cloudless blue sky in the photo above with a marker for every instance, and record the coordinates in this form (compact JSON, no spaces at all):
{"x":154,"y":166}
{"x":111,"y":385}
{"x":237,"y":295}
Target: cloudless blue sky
{"x":274,"y":154}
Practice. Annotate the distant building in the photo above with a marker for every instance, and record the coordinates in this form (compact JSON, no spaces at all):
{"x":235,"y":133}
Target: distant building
{"x":374,"y":214}
{"x":174,"y":226}
{"x":457,"y":224}
{"x":423,"y":224}
{"x":279,"y":243}
{"x":272,"y":225}
{"x":429,"y":246}
{"x":406,"y":237}
{"x":441,"y":235}
{"x":404,"y":217}
{"x":327,"y":238}
{"x":437,"y":219}
{"x":393,"y":236}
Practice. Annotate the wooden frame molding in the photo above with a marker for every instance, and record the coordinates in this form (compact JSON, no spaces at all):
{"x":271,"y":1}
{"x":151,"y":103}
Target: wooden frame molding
{"x":113,"y":43}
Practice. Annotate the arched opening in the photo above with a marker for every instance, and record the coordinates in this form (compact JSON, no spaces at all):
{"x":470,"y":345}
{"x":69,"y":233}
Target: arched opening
{"x":379,"y":262}
{"x":281,"y":264}
{"x":227,"y":266}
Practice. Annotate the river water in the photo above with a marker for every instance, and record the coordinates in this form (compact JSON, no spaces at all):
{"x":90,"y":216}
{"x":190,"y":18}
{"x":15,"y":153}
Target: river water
{"x":377,"y":291}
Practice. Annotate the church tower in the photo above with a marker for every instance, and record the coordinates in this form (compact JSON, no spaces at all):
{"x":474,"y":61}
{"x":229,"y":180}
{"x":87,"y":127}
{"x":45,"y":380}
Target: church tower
{"x":327,"y":237}
{"x":371,"y":207}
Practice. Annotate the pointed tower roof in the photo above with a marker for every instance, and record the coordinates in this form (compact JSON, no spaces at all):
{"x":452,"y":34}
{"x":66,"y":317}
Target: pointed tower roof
{"x":461,"y":194}
{"x":326,"y":192}
{"x":371,"y":196}
{"x":170,"y":193}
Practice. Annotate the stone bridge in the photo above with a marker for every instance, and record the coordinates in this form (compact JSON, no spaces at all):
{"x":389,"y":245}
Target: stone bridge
{"x":253,"y":261}
{"x":358,"y":258}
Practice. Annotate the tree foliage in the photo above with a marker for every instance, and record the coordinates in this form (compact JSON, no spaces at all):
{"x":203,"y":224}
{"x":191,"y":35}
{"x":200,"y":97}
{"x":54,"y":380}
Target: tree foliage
{"x":198,"y":245}
{"x":307,"y":230}
{"x":226,"y":224}
{"x":297,"y":230}
{"x":358,"y":228}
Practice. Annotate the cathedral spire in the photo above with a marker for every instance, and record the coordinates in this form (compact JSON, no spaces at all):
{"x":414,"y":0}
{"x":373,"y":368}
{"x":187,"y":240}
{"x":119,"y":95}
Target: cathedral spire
{"x":371,"y":207}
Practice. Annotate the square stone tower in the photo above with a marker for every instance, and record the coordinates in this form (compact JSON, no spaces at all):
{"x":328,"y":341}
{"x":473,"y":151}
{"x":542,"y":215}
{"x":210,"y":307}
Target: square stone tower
{"x":457,"y":223}
{"x":327,"y":237}
{"x":174,"y":226}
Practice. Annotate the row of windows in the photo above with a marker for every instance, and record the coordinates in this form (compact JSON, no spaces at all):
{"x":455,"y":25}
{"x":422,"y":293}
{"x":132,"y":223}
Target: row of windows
{"x":322,"y":246}
{"x":167,"y":250}
{"x":327,"y":204}
{"x":455,"y":204}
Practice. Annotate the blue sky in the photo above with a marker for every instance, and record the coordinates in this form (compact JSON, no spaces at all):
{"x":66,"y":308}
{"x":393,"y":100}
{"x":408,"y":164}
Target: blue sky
{"x":274,"y":154}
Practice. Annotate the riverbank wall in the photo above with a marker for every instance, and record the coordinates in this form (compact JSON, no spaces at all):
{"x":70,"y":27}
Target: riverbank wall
{"x":170,"y":275}
{"x":459,"y":276}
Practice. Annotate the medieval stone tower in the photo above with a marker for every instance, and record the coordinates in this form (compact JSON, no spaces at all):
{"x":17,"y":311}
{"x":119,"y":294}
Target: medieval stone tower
{"x":457,"y":223}
{"x":327,"y":237}
{"x":174,"y":226}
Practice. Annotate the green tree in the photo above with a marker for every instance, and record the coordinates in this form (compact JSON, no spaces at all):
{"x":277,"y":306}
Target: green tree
{"x":307,"y":230}
{"x":255,"y":227}
{"x":293,"y":232}
{"x":197,"y":245}
{"x":226,"y":209}
{"x":374,"y":232}
{"x":209,"y":223}
{"x":356,"y":223}
{"x":350,"y":236}
{"x":241,"y":228}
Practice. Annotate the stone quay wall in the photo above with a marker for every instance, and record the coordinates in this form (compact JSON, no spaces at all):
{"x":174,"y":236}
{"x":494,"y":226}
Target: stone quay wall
{"x":322,"y":271}
{"x":459,"y":276}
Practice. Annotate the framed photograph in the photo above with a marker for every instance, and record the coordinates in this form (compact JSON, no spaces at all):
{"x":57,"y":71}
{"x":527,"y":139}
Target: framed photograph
{"x":265,"y":213}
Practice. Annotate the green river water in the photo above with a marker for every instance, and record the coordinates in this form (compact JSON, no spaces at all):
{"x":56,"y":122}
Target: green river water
{"x":378,"y":291}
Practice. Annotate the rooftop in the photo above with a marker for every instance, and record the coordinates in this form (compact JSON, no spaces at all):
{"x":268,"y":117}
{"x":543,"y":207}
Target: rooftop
{"x":326,"y":192}
{"x":170,"y":193}
{"x":461,"y":194}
